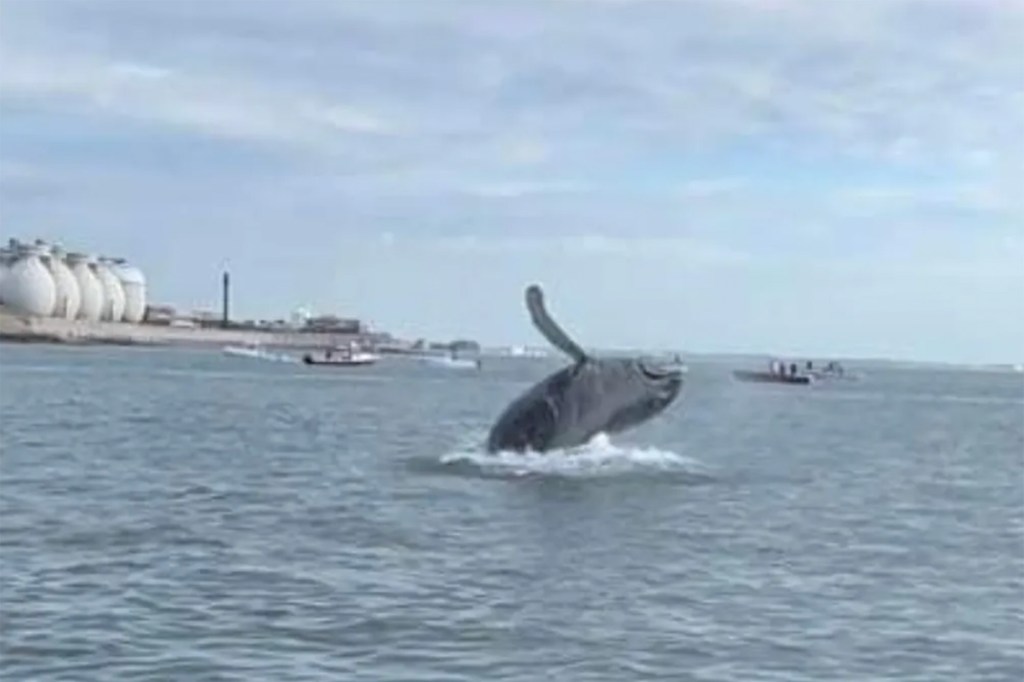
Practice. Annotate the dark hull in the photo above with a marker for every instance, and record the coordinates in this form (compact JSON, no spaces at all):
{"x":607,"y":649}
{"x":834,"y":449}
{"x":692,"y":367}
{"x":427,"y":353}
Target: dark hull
{"x":769,"y":378}
{"x":837,"y":376}
{"x":337,"y":363}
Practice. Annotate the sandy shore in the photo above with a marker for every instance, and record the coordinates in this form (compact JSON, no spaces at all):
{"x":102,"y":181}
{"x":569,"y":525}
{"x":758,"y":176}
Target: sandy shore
{"x":20,"y":328}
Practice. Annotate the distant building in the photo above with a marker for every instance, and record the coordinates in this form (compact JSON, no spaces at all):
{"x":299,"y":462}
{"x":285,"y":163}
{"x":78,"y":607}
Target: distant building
{"x":274,"y":325}
{"x":207,"y":318}
{"x":159,"y":314}
{"x":456,"y":346}
{"x":300,"y":316}
{"x":167,"y":315}
{"x":334,"y":325}
{"x":465,"y":345}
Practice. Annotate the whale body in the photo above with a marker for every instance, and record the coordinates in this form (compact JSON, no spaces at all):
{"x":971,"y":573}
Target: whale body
{"x":592,"y":395}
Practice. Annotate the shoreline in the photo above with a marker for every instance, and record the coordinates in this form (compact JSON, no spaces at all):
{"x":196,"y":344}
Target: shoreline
{"x":26,"y":329}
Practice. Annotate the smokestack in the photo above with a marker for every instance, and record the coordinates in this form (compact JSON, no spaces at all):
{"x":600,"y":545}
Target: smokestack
{"x":226,"y":287}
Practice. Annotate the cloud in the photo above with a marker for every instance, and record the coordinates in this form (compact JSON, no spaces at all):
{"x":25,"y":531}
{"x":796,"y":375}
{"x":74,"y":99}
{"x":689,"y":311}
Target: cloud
{"x":680,"y":251}
{"x":204,"y":104}
{"x":709,"y":188}
{"x":978,"y":197}
{"x":526,"y":152}
{"x":512,"y":189}
{"x":749,"y":146}
{"x":856,"y":78}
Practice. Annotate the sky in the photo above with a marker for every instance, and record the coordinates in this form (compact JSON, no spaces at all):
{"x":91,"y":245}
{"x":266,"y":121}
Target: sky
{"x":821,"y":179}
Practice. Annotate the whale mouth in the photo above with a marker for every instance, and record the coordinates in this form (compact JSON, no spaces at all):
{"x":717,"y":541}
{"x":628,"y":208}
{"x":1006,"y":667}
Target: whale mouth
{"x":657,"y":370}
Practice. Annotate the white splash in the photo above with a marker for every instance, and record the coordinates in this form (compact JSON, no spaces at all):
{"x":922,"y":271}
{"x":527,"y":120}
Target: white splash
{"x":599,"y":457}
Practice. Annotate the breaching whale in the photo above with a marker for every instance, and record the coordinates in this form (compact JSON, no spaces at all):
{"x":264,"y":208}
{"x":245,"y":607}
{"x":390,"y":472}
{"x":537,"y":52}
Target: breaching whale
{"x":591,"y":396}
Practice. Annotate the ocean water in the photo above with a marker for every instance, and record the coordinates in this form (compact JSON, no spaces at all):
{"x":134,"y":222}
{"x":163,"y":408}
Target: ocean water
{"x":183,"y":515}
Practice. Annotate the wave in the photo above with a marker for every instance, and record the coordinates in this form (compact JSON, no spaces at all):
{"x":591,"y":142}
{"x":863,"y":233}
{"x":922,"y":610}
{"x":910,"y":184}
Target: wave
{"x":598,"y":457}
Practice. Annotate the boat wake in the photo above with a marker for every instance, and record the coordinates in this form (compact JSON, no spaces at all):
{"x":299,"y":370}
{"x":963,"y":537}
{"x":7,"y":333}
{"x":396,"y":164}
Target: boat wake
{"x":599,"y":457}
{"x":256,"y":353}
{"x":449,"y":362}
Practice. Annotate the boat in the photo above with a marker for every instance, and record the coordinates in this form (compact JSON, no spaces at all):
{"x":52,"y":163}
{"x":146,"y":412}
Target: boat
{"x":342,"y":356}
{"x":820,"y":375}
{"x":833,"y":371}
{"x":257,"y":352}
{"x":525,"y":352}
{"x":771,"y":377}
{"x":778,"y":372}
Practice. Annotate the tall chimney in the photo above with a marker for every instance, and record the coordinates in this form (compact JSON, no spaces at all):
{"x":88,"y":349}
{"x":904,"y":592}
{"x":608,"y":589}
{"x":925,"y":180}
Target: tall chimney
{"x":226,"y":287}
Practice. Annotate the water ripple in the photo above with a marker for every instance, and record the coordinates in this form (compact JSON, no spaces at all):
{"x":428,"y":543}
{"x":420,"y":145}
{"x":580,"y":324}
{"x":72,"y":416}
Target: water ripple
{"x":179,"y":515}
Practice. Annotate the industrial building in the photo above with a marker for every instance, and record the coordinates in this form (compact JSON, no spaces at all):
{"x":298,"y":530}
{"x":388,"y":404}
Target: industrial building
{"x":40,"y":280}
{"x":43,"y":280}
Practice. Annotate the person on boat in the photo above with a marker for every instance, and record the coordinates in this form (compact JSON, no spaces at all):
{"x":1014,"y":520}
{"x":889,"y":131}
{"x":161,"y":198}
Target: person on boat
{"x":792,"y":369}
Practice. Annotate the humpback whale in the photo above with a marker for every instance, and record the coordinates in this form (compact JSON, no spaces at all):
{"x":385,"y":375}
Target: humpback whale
{"x":590,"y":396}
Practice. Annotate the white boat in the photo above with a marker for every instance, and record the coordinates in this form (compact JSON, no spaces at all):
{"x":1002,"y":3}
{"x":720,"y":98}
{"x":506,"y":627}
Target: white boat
{"x":257,"y":352}
{"x":525,"y":352}
{"x":342,"y":356}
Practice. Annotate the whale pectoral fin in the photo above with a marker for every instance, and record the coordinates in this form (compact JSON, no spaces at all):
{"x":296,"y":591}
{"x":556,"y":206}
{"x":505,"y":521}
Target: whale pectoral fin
{"x":544,"y":323}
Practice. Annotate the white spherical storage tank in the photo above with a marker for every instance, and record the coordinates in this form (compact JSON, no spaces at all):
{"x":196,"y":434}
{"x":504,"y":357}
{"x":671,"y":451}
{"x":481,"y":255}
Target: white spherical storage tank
{"x":8,"y":255}
{"x":113,"y":292}
{"x":28,"y":286}
{"x":5,"y":266}
{"x":134,"y":284}
{"x":89,"y":287}
{"x":69,"y":298}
